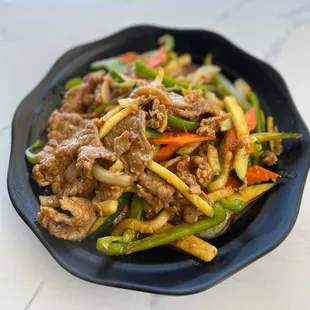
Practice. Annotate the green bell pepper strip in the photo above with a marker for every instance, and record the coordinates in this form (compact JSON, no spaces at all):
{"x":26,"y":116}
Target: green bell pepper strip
{"x":112,"y":246}
{"x":73,"y":82}
{"x":167,"y":41}
{"x":180,"y":123}
{"x":146,"y":72}
{"x":109,"y":64}
{"x":122,"y":202}
{"x":102,"y":107}
{"x":30,"y":156}
{"x":232,"y":205}
{"x":228,"y":88}
{"x":117,"y":76}
{"x":208,"y":59}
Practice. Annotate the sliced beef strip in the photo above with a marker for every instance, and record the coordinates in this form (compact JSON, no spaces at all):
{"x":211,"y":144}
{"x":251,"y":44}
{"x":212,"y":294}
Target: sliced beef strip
{"x":156,"y":192}
{"x":79,"y":97}
{"x":156,"y":115}
{"x":62,"y":126}
{"x":51,"y":168}
{"x":108,"y":192}
{"x":61,"y":225}
{"x":191,"y":214}
{"x":139,"y":155}
{"x":269,"y":158}
{"x":87,"y":155}
{"x":194,"y":171}
{"x":200,"y":105}
{"x":211,"y":125}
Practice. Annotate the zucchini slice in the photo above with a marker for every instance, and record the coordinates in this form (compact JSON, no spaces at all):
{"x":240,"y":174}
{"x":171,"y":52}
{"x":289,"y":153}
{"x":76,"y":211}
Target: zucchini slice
{"x":240,"y":164}
{"x":151,"y":132}
{"x":237,"y":115}
{"x":252,"y":192}
{"x":222,"y":179}
{"x":103,"y":223}
{"x":188,"y":148}
{"x":213,"y":159}
{"x":256,"y":145}
{"x":267,"y":136}
{"x":242,"y":154}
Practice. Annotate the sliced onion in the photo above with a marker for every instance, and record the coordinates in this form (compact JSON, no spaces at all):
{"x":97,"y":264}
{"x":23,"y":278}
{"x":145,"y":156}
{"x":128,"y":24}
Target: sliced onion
{"x":178,"y":101}
{"x":108,"y":177}
{"x":71,"y":172}
{"x":205,"y":74}
{"x":152,"y":90}
{"x":126,"y":102}
{"x":242,"y":87}
{"x":159,"y":78}
{"x":105,"y":92}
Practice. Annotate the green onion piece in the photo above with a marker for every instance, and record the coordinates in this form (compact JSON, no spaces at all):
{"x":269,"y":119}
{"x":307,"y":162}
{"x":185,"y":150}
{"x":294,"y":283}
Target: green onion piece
{"x":30,"y":156}
{"x":73,"y":82}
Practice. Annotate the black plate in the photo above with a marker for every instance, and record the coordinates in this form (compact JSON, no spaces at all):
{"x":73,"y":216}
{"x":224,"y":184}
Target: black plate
{"x":164,"y":270}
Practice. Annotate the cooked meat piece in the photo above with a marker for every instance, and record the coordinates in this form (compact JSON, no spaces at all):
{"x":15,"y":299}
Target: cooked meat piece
{"x":139,"y":155}
{"x":88,"y":154}
{"x":156,"y":192}
{"x":211,"y":125}
{"x":78,"y":97}
{"x":156,"y":115}
{"x":278,"y":147}
{"x":67,"y":227}
{"x":204,"y":173}
{"x":49,"y":148}
{"x":122,"y":144}
{"x":124,"y":214}
{"x":73,"y":99}
{"x":108,"y":192}
{"x":51,"y":168}
{"x":195,"y":171}
{"x":62,"y":126}
{"x":200,"y":105}
{"x":174,"y":210}
{"x":243,"y":141}
{"x":94,"y":79}
{"x":190,"y":68}
{"x":269,"y":158}
{"x":191,"y":214}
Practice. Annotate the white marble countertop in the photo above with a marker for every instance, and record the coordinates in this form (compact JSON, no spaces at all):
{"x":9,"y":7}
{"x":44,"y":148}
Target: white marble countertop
{"x":34,"y":33}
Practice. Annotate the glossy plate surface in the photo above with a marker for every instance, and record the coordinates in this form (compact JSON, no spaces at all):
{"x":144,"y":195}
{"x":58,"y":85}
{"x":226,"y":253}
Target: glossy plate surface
{"x":164,"y":270}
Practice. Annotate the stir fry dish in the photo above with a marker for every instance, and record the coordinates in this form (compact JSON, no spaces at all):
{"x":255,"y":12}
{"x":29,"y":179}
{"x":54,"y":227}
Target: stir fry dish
{"x":151,"y":149}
